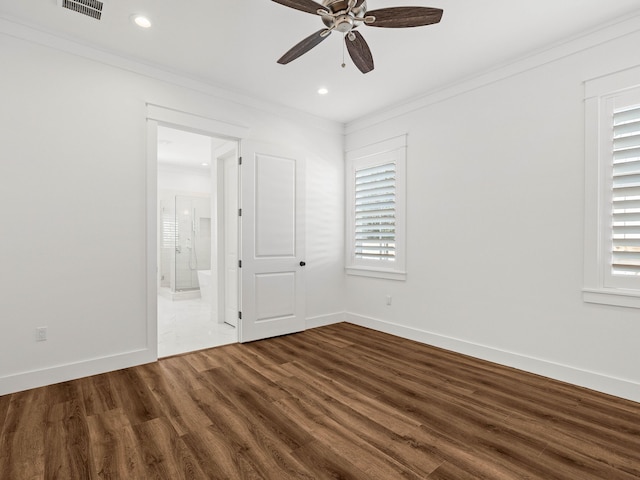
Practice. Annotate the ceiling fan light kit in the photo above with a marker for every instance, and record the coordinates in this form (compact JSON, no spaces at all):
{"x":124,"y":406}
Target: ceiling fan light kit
{"x":345,"y":16}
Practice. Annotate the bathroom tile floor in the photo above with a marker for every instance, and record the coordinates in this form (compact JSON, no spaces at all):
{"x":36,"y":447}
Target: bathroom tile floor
{"x":187,"y":325}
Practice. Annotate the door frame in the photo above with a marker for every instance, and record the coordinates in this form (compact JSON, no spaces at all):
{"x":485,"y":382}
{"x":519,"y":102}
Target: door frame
{"x":230,"y":151}
{"x":158,"y":115}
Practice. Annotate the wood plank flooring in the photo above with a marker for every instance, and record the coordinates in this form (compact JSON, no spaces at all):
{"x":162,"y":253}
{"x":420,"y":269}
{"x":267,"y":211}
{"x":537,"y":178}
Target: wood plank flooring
{"x":337,"y":402}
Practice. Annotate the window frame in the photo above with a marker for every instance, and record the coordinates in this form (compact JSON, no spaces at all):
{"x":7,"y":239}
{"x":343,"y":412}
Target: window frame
{"x":600,"y":101}
{"x":392,"y":150}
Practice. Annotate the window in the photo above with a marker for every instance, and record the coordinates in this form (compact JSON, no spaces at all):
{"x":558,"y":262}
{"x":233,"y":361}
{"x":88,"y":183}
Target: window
{"x":625,"y":198}
{"x":375,"y":213}
{"x":376,"y":209}
{"x":612,"y":233}
{"x":169,"y":228}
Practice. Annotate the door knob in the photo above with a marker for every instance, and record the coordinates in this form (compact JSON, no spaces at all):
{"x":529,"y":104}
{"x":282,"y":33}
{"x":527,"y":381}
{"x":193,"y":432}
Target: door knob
{"x":302,"y":264}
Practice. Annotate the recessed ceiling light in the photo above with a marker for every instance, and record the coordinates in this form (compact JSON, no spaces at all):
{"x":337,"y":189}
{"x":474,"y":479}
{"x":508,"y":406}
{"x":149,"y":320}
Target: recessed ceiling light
{"x":204,"y":164}
{"x":141,"y":20}
{"x":323,"y":91}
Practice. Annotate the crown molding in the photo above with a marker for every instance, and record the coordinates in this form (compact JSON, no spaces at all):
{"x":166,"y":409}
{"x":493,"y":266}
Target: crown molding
{"x":621,"y":27}
{"x":34,"y":34}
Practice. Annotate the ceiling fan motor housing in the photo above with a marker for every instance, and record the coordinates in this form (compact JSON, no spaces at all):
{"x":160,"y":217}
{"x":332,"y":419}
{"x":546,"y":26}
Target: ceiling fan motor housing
{"x":343,"y":23}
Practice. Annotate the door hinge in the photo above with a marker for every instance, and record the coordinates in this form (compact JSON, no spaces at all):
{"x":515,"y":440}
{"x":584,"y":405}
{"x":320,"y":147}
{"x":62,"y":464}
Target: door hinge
{"x":239,"y":212}
{"x":240,"y":315}
{"x":239,"y":263}
{"x":239,"y":160}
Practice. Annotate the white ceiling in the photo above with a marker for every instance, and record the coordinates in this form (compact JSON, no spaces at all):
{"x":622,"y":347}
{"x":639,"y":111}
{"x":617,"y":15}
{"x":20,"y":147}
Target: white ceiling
{"x":186,"y":150}
{"x":234,"y":44}
{"x":182,"y":149}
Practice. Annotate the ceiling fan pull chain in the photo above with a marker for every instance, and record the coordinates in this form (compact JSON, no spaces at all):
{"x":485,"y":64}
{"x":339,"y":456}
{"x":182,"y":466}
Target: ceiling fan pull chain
{"x":343,"y":47}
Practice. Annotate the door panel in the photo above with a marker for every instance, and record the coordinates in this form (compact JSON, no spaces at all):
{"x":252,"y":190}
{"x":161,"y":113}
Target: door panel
{"x":275,"y":212}
{"x":272,"y":294}
{"x":275,"y":294}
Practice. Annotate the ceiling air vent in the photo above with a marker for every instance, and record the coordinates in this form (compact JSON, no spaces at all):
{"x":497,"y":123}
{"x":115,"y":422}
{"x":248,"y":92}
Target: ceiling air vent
{"x":90,"y":8}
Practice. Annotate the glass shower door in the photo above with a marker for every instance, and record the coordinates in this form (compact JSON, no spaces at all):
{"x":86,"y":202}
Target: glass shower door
{"x":193,"y":240}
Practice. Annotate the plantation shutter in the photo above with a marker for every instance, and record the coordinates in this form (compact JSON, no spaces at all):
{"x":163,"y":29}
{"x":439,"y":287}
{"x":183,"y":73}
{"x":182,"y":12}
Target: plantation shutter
{"x":625,"y":257}
{"x":375,"y":212}
{"x":169,"y":229}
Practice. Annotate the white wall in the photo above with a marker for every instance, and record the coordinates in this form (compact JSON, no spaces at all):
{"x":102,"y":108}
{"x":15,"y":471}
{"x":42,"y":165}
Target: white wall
{"x":73,"y":196}
{"x":184,"y":180}
{"x":495,"y":214}
{"x":495,"y":222}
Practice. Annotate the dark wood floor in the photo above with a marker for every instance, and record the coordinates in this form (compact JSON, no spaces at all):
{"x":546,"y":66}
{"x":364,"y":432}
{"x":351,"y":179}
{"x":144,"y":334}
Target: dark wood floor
{"x":337,"y":402}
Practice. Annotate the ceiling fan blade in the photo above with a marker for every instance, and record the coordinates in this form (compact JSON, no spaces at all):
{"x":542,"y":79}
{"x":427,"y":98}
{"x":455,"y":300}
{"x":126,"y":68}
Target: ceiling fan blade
{"x":358,"y":3}
{"x":308,"y":6}
{"x":401,"y":17}
{"x":303,"y":47}
{"x":359,"y":51}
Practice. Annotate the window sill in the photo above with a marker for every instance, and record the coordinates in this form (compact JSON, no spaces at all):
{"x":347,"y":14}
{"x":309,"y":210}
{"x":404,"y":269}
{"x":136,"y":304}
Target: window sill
{"x":376,"y":273}
{"x":617,"y":297}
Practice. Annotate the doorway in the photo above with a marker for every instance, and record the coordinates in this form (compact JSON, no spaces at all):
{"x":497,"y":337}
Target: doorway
{"x":268,"y":298}
{"x":196,"y":234}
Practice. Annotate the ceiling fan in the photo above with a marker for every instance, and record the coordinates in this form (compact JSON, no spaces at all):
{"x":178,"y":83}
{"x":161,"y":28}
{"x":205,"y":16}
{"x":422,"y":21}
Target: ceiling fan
{"x":345,"y":16}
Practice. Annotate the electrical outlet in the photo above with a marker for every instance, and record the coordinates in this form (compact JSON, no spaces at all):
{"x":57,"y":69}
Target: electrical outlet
{"x":388,"y":299}
{"x":41,"y":334}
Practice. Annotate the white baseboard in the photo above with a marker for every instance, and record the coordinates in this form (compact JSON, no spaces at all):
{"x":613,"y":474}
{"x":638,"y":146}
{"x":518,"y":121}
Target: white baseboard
{"x":61,"y":373}
{"x":592,"y":380}
{"x":595,"y":381}
{"x":322,"y":320}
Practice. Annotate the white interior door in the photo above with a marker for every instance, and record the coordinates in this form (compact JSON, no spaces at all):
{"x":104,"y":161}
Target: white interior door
{"x":272,"y":242}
